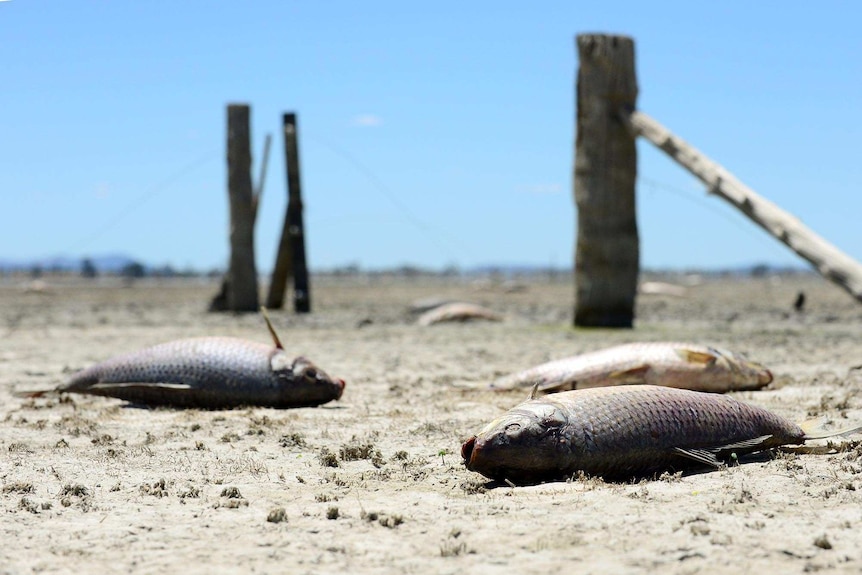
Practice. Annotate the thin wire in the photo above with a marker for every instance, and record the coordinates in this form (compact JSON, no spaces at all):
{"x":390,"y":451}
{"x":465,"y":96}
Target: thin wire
{"x":700,"y":201}
{"x":144,"y":197}
{"x":432,"y":234}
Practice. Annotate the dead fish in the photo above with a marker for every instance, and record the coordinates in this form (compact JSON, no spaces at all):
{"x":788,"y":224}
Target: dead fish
{"x":625,"y":432}
{"x":420,"y":306}
{"x":209,"y":373}
{"x":662,"y":288}
{"x":684,"y":365}
{"x":457,"y":311}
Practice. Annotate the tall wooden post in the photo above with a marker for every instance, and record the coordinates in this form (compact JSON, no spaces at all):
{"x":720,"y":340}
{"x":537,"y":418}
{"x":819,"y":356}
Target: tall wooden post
{"x":242,"y":274}
{"x":607,"y":250}
{"x":291,"y":248}
{"x":219,"y":301}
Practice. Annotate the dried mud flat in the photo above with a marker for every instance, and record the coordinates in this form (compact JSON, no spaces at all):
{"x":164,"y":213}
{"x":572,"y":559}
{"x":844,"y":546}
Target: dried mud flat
{"x":374,"y":483}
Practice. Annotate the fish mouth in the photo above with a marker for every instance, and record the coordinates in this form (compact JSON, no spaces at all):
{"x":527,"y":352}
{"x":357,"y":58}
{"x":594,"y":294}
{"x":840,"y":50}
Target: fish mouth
{"x":765,"y":377}
{"x":341,"y":385}
{"x":467,"y":451}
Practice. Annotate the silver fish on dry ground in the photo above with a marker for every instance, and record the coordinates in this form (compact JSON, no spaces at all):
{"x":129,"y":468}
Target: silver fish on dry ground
{"x":457,"y":311}
{"x":625,"y":432}
{"x":209,"y":373}
{"x":662,"y":289}
{"x":684,"y":365}
{"x":420,"y":306}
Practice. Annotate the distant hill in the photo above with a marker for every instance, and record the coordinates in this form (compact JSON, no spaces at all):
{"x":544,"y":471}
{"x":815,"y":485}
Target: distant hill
{"x":116,"y":263}
{"x":110,"y":263}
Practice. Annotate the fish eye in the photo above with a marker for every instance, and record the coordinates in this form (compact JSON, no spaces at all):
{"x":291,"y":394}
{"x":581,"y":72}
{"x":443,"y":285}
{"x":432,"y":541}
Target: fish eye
{"x":513,"y":428}
{"x":310,"y":373}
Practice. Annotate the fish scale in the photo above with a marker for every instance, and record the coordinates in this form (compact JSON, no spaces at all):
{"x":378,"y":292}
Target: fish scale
{"x":216,"y":361}
{"x":673,"y":364}
{"x":621,"y":432}
{"x":207,"y":372}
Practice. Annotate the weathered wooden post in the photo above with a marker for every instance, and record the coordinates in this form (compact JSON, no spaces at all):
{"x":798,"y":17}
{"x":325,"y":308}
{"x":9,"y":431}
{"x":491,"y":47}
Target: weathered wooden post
{"x":607,"y":252}
{"x":242,"y":273}
{"x":291,"y":248}
{"x":219,"y":301}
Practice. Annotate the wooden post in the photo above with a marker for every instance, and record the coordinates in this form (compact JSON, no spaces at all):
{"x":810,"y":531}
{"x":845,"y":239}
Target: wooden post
{"x":219,"y":301}
{"x":291,"y":247}
{"x":242,"y":273}
{"x":832,"y":263}
{"x":607,"y":251}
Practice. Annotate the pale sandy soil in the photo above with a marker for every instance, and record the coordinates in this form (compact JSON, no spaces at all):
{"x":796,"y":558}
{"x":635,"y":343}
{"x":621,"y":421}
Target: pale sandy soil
{"x":374,"y":483}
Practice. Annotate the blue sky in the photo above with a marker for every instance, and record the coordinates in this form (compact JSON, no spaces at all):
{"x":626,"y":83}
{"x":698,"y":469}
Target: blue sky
{"x":430,"y":134}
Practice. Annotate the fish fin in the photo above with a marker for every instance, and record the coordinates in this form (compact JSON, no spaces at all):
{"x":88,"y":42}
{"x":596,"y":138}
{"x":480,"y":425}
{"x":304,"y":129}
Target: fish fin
{"x":33,"y":394}
{"x":275,"y":340}
{"x":635,"y":375}
{"x":556,"y":386}
{"x":701,"y":456}
{"x":709,"y":455}
{"x":746,"y":444}
{"x":702,"y":357}
{"x":809,"y":449}
{"x":534,"y":391}
{"x":815,"y":429}
{"x":144,"y":385}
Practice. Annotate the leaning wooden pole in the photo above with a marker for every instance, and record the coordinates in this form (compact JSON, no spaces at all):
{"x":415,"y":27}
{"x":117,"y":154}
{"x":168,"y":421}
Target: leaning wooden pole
{"x":291,"y":249}
{"x":242,"y":273}
{"x":261,"y":180}
{"x":831,"y":262}
{"x":605,"y":169}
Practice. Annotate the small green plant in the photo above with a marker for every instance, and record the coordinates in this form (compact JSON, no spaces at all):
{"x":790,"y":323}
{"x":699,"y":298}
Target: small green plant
{"x":443,"y":453}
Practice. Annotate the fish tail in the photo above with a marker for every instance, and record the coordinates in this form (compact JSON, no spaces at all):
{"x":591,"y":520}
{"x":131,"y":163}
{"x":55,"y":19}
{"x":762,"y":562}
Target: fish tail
{"x":816,"y":429}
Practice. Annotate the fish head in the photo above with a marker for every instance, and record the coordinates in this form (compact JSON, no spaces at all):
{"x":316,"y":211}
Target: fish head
{"x":747,"y":374}
{"x":304,"y":383}
{"x":522,"y":446}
